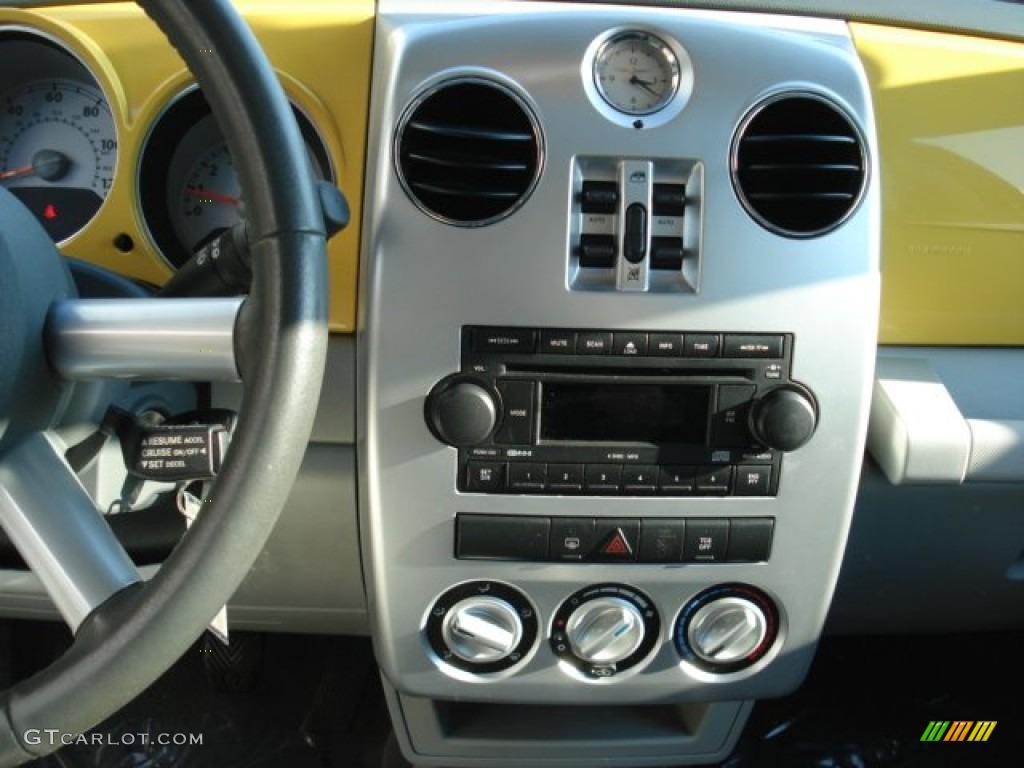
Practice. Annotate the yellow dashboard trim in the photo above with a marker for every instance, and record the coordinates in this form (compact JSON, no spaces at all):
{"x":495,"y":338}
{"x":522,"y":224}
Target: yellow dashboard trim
{"x":950,"y":117}
{"x":322,"y":51}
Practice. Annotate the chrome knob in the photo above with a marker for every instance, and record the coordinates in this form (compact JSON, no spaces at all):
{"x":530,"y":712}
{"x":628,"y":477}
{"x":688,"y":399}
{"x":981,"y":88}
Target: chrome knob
{"x":605,"y":630}
{"x":727,"y":630}
{"x":482,"y":629}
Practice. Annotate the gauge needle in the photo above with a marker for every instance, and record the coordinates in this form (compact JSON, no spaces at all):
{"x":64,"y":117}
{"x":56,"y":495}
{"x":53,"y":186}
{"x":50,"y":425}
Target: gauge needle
{"x":47,"y":164}
{"x":645,"y":84}
{"x":14,"y":173}
{"x":214,"y":196}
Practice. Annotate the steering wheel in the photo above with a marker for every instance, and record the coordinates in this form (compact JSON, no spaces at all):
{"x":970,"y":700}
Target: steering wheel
{"x":128,"y":631}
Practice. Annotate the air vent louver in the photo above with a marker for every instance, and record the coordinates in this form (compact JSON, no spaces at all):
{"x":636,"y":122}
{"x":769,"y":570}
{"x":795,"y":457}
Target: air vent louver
{"x":799,"y":165}
{"x":469,"y":152}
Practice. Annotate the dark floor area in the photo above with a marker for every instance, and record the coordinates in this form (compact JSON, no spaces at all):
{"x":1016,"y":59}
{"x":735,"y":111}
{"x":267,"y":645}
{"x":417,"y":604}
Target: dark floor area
{"x":315,"y":702}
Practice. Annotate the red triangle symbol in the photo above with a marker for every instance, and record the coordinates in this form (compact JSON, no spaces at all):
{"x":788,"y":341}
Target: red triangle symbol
{"x":617,"y":544}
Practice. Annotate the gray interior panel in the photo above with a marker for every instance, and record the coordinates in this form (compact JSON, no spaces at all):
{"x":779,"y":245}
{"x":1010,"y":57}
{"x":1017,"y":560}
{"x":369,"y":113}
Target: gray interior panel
{"x":517,"y":274}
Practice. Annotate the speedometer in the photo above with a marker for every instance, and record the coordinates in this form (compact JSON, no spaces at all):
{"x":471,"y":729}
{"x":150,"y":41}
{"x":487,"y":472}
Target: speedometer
{"x":58,"y":149}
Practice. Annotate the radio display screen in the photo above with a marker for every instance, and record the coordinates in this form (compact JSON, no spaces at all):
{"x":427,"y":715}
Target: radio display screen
{"x":659,"y":414}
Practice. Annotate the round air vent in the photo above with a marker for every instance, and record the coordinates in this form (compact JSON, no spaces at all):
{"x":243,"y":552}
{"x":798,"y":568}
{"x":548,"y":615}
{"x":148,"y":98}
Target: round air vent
{"x":799,"y":165}
{"x":469,"y":152}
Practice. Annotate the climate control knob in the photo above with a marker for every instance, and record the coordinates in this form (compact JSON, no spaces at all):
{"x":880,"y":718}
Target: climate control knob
{"x":481,"y":627}
{"x":727,"y":628}
{"x":785,"y":418}
{"x":461,"y":411}
{"x":603,"y":630}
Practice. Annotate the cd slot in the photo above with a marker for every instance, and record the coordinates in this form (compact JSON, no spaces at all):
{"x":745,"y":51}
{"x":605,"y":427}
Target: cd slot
{"x":633,"y":371}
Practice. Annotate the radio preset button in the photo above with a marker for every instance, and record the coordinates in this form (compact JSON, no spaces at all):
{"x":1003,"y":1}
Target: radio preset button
{"x":752,"y":346}
{"x":752,"y":481}
{"x":713,"y":480}
{"x":676,"y":481}
{"x":527,"y":476}
{"x":705,"y":541}
{"x":558,"y":342}
{"x":602,"y":478}
{"x":565,"y":478}
{"x":701,"y":345}
{"x":485,"y":477}
{"x":593,"y":343}
{"x":517,"y":340}
{"x":639,"y":479}
{"x":630,"y":344}
{"x":665,"y":345}
{"x":517,"y":420}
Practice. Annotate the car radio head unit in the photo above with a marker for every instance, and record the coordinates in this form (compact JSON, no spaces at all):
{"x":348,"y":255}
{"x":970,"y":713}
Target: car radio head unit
{"x":591,"y":412}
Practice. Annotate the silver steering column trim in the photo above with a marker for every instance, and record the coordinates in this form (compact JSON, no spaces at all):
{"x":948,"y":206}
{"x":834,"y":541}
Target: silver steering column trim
{"x":159,"y":339}
{"x":53,"y":523}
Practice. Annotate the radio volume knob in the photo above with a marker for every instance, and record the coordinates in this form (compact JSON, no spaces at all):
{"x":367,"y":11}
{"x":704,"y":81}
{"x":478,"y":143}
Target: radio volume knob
{"x":785,"y":418}
{"x":460,"y":411}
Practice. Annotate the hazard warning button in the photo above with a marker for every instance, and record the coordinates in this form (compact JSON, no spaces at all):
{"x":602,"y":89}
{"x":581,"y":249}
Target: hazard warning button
{"x":618,"y":540}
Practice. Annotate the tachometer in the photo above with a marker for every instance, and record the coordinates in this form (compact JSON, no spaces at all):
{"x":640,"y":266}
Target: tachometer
{"x":58,"y":149}
{"x":188,"y":185}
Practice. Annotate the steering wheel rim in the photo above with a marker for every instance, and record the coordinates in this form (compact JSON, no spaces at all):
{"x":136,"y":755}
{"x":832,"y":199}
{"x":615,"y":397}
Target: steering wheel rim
{"x":132,"y":637}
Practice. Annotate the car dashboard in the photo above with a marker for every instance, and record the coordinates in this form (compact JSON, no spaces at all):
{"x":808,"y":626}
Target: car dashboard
{"x":665,"y":338}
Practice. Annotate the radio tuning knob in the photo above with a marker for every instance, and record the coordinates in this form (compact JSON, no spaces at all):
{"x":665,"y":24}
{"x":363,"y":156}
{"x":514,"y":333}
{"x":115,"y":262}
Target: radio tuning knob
{"x":785,"y":418}
{"x":605,"y":631}
{"x":460,"y":411}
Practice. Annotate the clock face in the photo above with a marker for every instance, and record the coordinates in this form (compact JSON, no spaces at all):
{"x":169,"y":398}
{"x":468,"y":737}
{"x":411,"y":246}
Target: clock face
{"x":637,"y":73}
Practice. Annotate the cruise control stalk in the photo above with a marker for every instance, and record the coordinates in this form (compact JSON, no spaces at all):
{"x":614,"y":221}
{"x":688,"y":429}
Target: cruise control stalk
{"x":223,"y":267}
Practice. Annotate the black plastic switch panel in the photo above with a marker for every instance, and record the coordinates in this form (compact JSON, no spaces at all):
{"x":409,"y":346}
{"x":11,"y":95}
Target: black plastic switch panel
{"x":565,"y":478}
{"x":706,"y":541}
{"x":593,"y":343}
{"x":661,"y":541}
{"x":558,"y":342}
{"x":504,"y":340}
{"x":485,"y":477}
{"x":502,"y":537}
{"x":634,"y":241}
{"x":629,"y":344}
{"x":599,"y":197}
{"x":597,"y":251}
{"x":517,"y":417}
{"x":667,"y":253}
{"x":602,"y":478}
{"x":751,"y":345}
{"x":753,"y":481}
{"x":701,"y":345}
{"x":527,"y":477}
{"x":669,"y":199}
{"x":616,"y":540}
{"x":572,"y":538}
{"x":665,"y":344}
{"x":750,"y":539}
